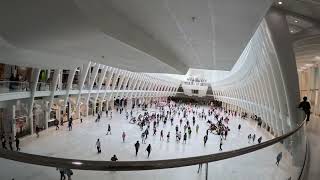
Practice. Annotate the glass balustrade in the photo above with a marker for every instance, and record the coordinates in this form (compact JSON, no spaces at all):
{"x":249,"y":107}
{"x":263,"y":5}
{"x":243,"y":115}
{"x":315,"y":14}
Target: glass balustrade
{"x":14,"y":86}
{"x":195,"y":83}
{"x":43,"y":86}
{"x":280,"y":158}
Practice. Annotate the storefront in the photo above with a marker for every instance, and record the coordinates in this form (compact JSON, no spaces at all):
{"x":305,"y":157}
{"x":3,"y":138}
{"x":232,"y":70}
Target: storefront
{"x":90,"y":108}
{"x":20,"y":122}
{"x":22,"y":128}
{"x":39,"y":114}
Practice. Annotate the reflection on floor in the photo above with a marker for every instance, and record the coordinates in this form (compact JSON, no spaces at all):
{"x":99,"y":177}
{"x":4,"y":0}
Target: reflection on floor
{"x":80,"y":144}
{"x":313,"y":131}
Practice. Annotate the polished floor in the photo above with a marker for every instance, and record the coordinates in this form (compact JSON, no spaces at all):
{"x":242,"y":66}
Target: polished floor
{"x":313,"y":132}
{"x":80,"y":143}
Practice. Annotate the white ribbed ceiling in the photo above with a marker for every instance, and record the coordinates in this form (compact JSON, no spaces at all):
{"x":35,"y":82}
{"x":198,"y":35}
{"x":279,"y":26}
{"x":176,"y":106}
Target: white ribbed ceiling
{"x":162,"y":36}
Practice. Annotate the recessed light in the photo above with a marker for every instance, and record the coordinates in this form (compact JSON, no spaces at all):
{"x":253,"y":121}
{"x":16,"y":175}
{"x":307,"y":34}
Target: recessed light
{"x":280,"y":2}
{"x":296,"y":21}
{"x":77,"y":163}
{"x":291,"y":31}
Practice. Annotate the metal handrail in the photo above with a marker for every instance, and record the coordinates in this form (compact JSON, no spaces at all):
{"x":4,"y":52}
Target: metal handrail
{"x":136,"y":165}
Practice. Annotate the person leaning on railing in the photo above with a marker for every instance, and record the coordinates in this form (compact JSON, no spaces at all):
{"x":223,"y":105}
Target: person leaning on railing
{"x":305,"y":105}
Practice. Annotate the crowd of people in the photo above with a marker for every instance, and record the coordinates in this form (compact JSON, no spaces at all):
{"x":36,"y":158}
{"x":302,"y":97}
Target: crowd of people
{"x":10,"y":142}
{"x":185,"y":118}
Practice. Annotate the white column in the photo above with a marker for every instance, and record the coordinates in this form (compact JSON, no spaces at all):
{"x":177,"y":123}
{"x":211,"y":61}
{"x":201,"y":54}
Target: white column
{"x":82,"y":79}
{"x":69,"y":85}
{"x":114,"y":83}
{"x":53,"y":90}
{"x":33,"y":87}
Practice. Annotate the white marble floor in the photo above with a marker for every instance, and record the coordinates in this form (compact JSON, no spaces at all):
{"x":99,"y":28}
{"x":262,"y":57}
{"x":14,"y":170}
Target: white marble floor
{"x":80,"y":144}
{"x":313,"y":131}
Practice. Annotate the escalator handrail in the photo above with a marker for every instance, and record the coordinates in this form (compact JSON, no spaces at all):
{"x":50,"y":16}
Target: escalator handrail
{"x":137,"y":165}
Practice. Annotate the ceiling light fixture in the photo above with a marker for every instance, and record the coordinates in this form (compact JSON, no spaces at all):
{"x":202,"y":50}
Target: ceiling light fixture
{"x":296,"y":21}
{"x":77,"y":163}
{"x":280,"y":2}
{"x":291,"y":31}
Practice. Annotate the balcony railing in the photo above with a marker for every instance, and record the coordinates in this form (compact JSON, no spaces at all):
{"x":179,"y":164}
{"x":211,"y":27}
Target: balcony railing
{"x":228,"y":165}
{"x":43,"y":86}
{"x":195,"y":83}
{"x":14,"y":86}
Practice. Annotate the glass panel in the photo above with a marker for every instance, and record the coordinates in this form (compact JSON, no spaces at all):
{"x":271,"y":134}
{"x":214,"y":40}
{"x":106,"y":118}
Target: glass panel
{"x":13,"y":86}
{"x":280,"y":161}
{"x":42,"y":86}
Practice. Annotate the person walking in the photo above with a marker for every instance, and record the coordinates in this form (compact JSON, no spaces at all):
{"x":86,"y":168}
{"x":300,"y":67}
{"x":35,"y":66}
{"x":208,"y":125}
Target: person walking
{"x":70,"y":124}
{"x":37,"y":130}
{"x":143,"y":138}
{"x":10,"y":144}
{"x":239,"y":127}
{"x":205,"y":139}
{"x":249,"y":138}
{"x":62,"y":173}
{"x":149,"y":150}
{"x":259,"y":139}
{"x":61,"y":121}
{"x":171,"y":119}
{"x":197,"y":128}
{"x":3,"y":141}
{"x":137,"y":146}
{"x":193,"y":120}
{"x":56,"y":123}
{"x":154,"y":130}
{"x":98,"y":145}
{"x":253,"y":137}
{"x":161,"y":135}
{"x":179,"y":136}
{"x":114,"y":158}
{"x":305,"y":105}
{"x":146,"y":132}
{"x":189,"y":131}
{"x":123,"y":136}
{"x":17,"y":143}
{"x":279,"y":157}
{"x":69,"y":173}
{"x":185,"y":138}
{"x":168,"y":136}
{"x":185,"y":128}
{"x":225,"y":134}
{"x":199,"y":168}
{"x":127,"y":115}
{"x":109,"y":130}
{"x":220,"y":146}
